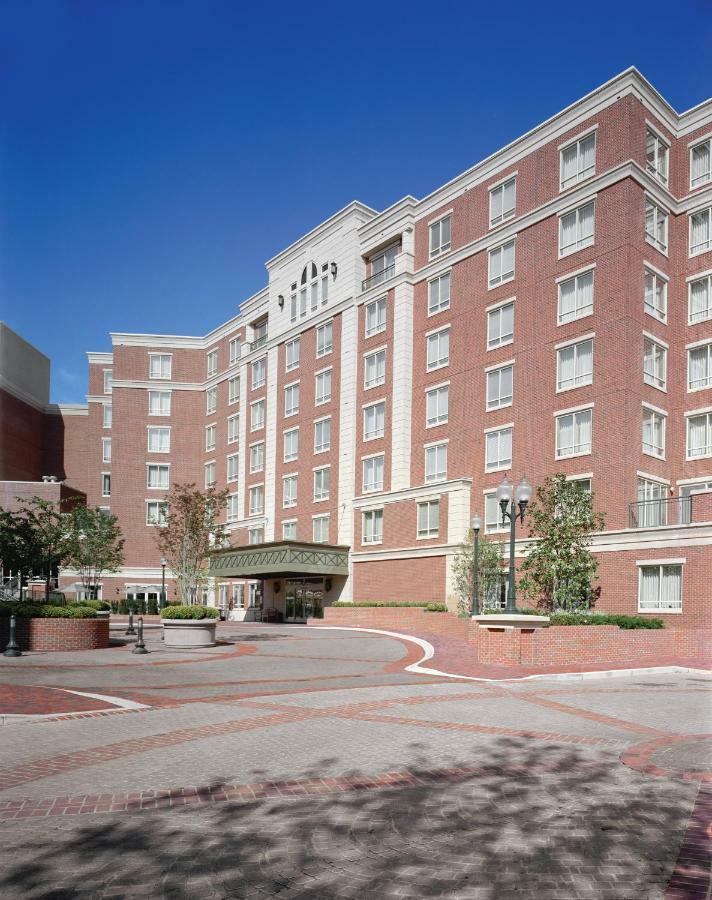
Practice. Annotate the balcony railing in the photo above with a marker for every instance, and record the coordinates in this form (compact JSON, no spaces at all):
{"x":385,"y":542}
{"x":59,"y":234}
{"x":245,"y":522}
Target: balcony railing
{"x":260,"y":342}
{"x":665,"y":511}
{"x":379,"y":277}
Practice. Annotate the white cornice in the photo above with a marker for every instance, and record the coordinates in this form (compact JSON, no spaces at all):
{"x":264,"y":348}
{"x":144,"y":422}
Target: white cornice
{"x":442,"y":487}
{"x":67,"y":409}
{"x":158,"y":385}
{"x":159,"y":341}
{"x":101,"y":359}
{"x":19,"y":394}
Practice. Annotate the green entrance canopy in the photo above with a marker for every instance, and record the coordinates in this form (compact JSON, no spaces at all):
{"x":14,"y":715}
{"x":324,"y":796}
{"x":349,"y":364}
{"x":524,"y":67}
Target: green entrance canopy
{"x":279,"y":560}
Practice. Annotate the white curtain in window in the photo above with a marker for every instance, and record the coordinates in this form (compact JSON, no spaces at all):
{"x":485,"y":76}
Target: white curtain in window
{"x":670,"y":585}
{"x":584,"y":361}
{"x":649,"y":581}
{"x":700,"y":230}
{"x":583,"y":431}
{"x":697,"y":435}
{"x":567,"y":299}
{"x":699,"y":367}
{"x":566,"y":435}
{"x":508,"y":192}
{"x":586,"y":222}
{"x":567,"y":366}
{"x":700,"y":164}
{"x":700,"y":299}
{"x":569,"y":159}
{"x":568,"y":230}
{"x":584,"y":285}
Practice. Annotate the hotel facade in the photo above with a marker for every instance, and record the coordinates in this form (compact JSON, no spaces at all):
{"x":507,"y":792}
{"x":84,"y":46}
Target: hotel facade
{"x":548,"y":310}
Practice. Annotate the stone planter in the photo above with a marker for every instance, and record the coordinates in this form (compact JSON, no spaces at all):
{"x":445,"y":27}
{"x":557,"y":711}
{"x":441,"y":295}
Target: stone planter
{"x":499,"y":621}
{"x":236,"y":615}
{"x":189,"y":633}
{"x":103,"y":614}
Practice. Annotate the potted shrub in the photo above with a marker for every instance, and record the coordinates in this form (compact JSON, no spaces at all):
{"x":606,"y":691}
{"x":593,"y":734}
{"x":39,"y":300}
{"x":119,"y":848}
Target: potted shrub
{"x":189,"y":626}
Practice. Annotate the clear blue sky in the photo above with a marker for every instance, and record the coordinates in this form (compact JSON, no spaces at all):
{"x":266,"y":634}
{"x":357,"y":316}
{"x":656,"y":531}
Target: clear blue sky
{"x":154,"y":154}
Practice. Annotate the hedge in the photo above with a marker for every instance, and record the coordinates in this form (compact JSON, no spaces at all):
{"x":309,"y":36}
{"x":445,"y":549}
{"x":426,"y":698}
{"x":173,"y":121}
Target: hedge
{"x":190,"y":612}
{"x":45,"y":611}
{"x":98,"y":605}
{"x":584,"y":618}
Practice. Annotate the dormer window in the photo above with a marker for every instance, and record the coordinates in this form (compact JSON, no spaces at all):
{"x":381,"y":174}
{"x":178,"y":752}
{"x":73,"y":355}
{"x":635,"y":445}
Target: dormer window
{"x":312,"y":290}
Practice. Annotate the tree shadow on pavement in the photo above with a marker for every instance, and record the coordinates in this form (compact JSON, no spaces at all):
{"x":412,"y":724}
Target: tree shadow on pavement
{"x":566,"y":825}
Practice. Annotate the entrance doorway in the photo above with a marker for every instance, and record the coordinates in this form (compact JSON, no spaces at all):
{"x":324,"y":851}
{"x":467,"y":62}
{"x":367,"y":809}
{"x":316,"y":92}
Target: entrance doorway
{"x":304,"y":599}
{"x":140,"y":597}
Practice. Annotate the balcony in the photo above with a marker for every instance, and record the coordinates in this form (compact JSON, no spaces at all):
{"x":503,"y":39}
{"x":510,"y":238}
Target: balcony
{"x":379,"y":277}
{"x":259,"y":342}
{"x":664,"y":511}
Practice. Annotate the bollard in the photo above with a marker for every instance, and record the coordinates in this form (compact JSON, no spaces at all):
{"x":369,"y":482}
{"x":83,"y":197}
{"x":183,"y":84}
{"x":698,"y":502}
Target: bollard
{"x":13,"y":648}
{"x":130,"y":629}
{"x":140,"y":646}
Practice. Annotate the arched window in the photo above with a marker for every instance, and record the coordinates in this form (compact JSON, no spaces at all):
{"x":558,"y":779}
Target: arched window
{"x":313,"y":287}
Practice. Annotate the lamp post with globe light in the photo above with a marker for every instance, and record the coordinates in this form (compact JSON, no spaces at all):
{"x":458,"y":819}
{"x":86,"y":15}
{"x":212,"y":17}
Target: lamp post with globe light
{"x":476,"y":525}
{"x":509,"y":499}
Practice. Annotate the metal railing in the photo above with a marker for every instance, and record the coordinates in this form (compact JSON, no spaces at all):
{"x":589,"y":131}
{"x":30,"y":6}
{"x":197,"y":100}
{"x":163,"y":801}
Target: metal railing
{"x":663,"y":511}
{"x":260,"y":342}
{"x":379,"y":277}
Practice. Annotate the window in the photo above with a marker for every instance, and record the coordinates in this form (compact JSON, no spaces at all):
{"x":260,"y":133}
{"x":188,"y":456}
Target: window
{"x":656,"y":223}
{"x":576,"y":229}
{"x":501,"y":264}
{"x":289,"y":531}
{"x":574,"y":365}
{"x":498,"y":449}
{"x":107,"y":415}
{"x":233,"y":509}
{"x":372,"y":526}
{"x":436,"y":463}
{"x":578,"y":160}
{"x":701,"y":163}
{"x":583,"y":484}
{"x":108,"y":381}
{"x":383,"y":266}
{"x":212,"y":363}
{"x":156,"y":512}
{"x":373,"y":468}
{"x":257,"y":457}
{"x":291,"y":444}
{"x":439,"y":294}
{"x":257,"y":415}
{"x":320,"y":530}
{"x":324,"y":339}
{"x":159,"y":440}
{"x":375,"y":316}
{"x":233,"y":390}
{"x":686,"y":492}
{"x":499,"y":387}
{"x":210,"y":436}
{"x":159,"y":403}
{"x":653,"y":432}
{"x":374,"y":369}
{"x":158,"y":476}
{"x":106,"y":449}
{"x":660,"y":588}
{"x":576,"y":297}
{"x":436,"y":405}
{"x":159,"y":365}
{"x":500,"y":326}
{"x":234,"y":346}
{"x":374,"y":421}
{"x":651,"y":507}
{"x":255,"y":535}
{"x":656,"y":156}
{"x":233,"y":428}
{"x":321,"y":483}
{"x":291,"y":351}
{"x":257,"y":500}
{"x":259,"y":333}
{"x":502,"y":201}
{"x":493,"y":515}
{"x":211,"y":400}
{"x":440,"y":236}
{"x":699,"y":368}
{"x":105,"y":484}
{"x":700,"y":300}
{"x":233,"y":467}
{"x":701,"y":231}
{"x":699,"y":436}
{"x":322,"y":387}
{"x":322,"y":436}
{"x":573,"y":433}
{"x":259,"y":373}
{"x":428,"y":518}
{"x":289,"y":491}
{"x":654,"y":363}
{"x":209,"y":470}
{"x":438,"y":349}
{"x":291,"y":400}
{"x":655,"y":295}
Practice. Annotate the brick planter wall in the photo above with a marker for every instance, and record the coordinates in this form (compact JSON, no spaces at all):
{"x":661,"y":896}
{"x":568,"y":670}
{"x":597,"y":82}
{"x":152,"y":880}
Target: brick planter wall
{"x":58,"y":634}
{"x":409,"y":620}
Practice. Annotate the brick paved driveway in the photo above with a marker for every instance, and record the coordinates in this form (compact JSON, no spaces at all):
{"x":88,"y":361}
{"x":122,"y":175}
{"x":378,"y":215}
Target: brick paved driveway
{"x":306,"y":763}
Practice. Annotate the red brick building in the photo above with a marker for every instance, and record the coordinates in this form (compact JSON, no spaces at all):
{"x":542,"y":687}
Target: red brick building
{"x":550,"y":309}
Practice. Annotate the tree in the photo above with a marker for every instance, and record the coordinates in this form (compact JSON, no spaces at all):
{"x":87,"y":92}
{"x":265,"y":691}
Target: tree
{"x":489,"y":572}
{"x":191,"y":531}
{"x":559,"y":570}
{"x":95,"y":545}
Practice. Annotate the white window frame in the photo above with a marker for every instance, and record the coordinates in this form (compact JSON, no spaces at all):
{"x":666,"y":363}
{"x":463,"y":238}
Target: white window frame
{"x":161,"y":358}
{"x":575,"y":414}
{"x":496,"y":310}
{"x":233,"y":429}
{"x":211,"y":401}
{"x":258,"y":373}
{"x":655,"y":415}
{"x":652,"y":379}
{"x":705,"y":178}
{"x":326,"y":347}
{"x":659,"y":281}
{"x":370,"y":485}
{"x":436,"y":228}
{"x":706,"y":246}
{"x":256,"y":496}
{"x":321,"y":494}
{"x":437,"y":391}
{"x":433,"y":451}
{"x":320,"y":519}
{"x":289,"y":525}
{"x":320,"y":378}
{"x":160,"y":396}
{"x":501,"y":464}
{"x":434,"y":338}
{"x":211,"y":362}
{"x":290,"y":432}
{"x":660,"y":565}
{"x":706,"y":315}
{"x":161,"y":431}
{"x":494,"y":281}
{"x":164,"y":472}
{"x":233,"y":390}
{"x":661,"y":150}
{"x":108,"y":381}
{"x":705,"y":348}
{"x":290,"y":490}
{"x":232,"y":509}
{"x":210,"y":473}
{"x":499,"y":189}
{"x":379,"y":379}
{"x":106,"y":455}
{"x":106,"y":484}
{"x":582,"y":174}
{"x":430,"y":531}
{"x":161,"y":512}
{"x":380,"y":306}
{"x":321,"y":446}
{"x":292,"y":349}
{"x":435,"y":290}
{"x":581,"y":241}
{"x":232,"y":472}
{"x":257,"y":457}
{"x":107,"y":415}
{"x":373,"y":518}
{"x":579,"y":380}
{"x":660,"y":214}
{"x":580,"y":310}
{"x":372,"y":408}
{"x":496,"y":371}
{"x":497,"y":527}
{"x":291,"y":393}
{"x":234,"y":348}
{"x":254,"y":406}
{"x":706,"y":453}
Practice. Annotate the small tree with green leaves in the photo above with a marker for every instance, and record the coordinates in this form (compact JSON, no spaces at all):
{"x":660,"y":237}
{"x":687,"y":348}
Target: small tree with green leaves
{"x":489,"y":572}
{"x":96,"y":546}
{"x":559,"y":570}
{"x":191,"y":532}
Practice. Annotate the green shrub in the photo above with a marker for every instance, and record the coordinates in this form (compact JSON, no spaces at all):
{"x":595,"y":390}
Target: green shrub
{"x":45,"y":611}
{"x":436,"y":607}
{"x":624,"y":622}
{"x":123,"y":607}
{"x":390,"y":604}
{"x":190,"y":612}
{"x":98,"y":605}
{"x":151,"y":606}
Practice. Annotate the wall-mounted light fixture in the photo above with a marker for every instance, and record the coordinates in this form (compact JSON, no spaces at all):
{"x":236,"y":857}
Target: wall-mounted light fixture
{"x":334,"y":269}
{"x":280,"y":300}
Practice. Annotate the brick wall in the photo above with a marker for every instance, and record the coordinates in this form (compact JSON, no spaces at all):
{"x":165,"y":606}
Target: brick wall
{"x":58,"y":634}
{"x":418,"y":580}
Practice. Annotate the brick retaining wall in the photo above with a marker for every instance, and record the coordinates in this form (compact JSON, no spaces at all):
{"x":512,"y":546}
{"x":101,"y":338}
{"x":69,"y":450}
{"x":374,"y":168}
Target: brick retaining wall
{"x":411,"y":620}
{"x":58,"y":634}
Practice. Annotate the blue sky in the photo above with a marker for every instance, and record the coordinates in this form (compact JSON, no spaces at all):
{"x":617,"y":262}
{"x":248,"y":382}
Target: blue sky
{"x":154,"y":154}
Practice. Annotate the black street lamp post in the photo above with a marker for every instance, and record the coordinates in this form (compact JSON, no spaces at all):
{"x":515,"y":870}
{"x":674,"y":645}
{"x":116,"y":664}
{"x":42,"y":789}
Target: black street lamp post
{"x":164,"y":563}
{"x":476,"y":525}
{"x":508,"y":504}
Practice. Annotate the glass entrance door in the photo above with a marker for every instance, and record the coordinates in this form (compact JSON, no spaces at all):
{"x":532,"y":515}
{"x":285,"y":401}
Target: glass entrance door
{"x":304,"y":599}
